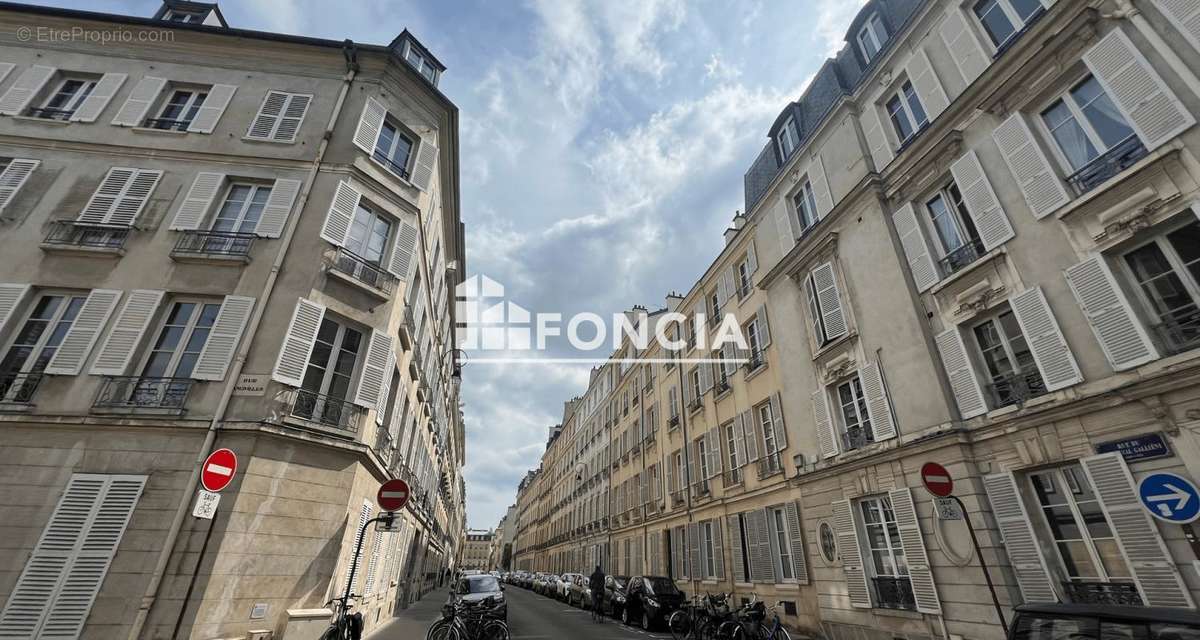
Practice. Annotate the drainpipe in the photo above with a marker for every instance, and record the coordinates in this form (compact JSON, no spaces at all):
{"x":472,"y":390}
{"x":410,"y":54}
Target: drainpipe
{"x":235,"y":371}
{"x":683,"y":428}
{"x":1126,"y":10}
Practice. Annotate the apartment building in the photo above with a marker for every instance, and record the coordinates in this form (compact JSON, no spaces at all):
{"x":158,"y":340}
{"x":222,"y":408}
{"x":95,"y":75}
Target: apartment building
{"x":221,"y":238}
{"x":974,"y":242}
{"x":477,"y":552}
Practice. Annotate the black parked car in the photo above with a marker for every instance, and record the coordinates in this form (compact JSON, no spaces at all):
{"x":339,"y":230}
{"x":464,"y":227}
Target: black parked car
{"x":482,"y":589}
{"x":650,"y":600}
{"x":1094,"y":622}
{"x":612,"y":601}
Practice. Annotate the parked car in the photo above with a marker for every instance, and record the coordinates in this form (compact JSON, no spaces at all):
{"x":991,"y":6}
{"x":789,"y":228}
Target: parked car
{"x":545,"y":584}
{"x":578,"y":593}
{"x":649,"y":600}
{"x":481,"y":589}
{"x":1093,"y":622}
{"x":563,"y":588}
{"x":613,"y":600}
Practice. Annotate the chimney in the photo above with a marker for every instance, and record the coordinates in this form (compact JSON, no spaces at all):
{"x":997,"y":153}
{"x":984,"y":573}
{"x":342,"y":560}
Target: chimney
{"x":673,"y":301}
{"x":739,"y":221}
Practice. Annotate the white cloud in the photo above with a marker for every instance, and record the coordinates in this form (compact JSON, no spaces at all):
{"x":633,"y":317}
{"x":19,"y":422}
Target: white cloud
{"x":833,"y":17}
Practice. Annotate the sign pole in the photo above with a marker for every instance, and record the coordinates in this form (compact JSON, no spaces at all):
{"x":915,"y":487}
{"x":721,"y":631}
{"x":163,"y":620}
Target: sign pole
{"x":195,"y":572}
{"x":987,"y":575}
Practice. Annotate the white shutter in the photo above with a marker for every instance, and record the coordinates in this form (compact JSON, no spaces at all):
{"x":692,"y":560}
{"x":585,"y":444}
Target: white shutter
{"x":98,"y":99}
{"x":925,"y":81}
{"x":706,"y":377}
{"x":278,"y":207}
{"x":24,"y":88}
{"x":1184,"y":14}
{"x":1153,"y":568}
{"x":831,"y":301}
{"x":213,"y":108}
{"x":981,"y":201}
{"x":298,"y":342}
{"x":877,"y":141}
{"x":1036,"y":177}
{"x":370,"y":382}
{"x":75,"y":347}
{"x":402,"y":250}
{"x":826,"y":433}
{"x":376,"y":545}
{"x":791,"y":511}
{"x":967,"y":392}
{"x":764,"y":328}
{"x":778,"y":429}
{"x":126,"y":334}
{"x":714,"y":452}
{"x":56,"y":590}
{"x":141,"y":98}
{"x":369,"y":124}
{"x":12,"y":295}
{"x":1020,"y":542}
{"x":748,"y":434}
{"x":385,"y":389}
{"x":764,"y":566}
{"x":293,"y":118}
{"x":920,"y":262}
{"x":718,"y":549}
{"x":820,"y":186}
{"x":352,"y":560}
{"x":1138,"y":91}
{"x":785,"y":227}
{"x":279,"y":117}
{"x":879,"y":406}
{"x":851,"y":554}
{"x":218,"y":351}
{"x":739,"y":445}
{"x":737,"y":566}
{"x":963,"y":46}
{"x":121,"y":196}
{"x":5,"y":69}
{"x":426,"y":164}
{"x":1050,"y":350}
{"x":920,"y":574}
{"x":13,"y":178}
{"x":341,"y":214}
{"x":198,"y":201}
{"x":1117,"y":328}
{"x":696,"y":569}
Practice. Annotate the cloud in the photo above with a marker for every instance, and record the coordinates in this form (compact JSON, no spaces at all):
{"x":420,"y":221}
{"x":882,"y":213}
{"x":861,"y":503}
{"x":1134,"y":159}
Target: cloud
{"x":833,"y":17}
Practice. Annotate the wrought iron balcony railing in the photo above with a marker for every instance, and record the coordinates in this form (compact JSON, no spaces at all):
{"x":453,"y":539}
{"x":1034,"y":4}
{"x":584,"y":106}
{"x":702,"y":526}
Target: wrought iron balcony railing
{"x":731,"y":477}
{"x":326,"y":410}
{"x":66,"y":233}
{"x":1122,"y":156}
{"x":856,"y":438}
{"x":769,"y":465}
{"x":45,"y":113}
{"x":167,"y":124}
{"x":673,"y":421}
{"x":218,"y":243}
{"x":133,"y":392}
{"x":961,"y":257}
{"x":720,"y":387}
{"x":18,"y":388}
{"x":1180,"y":334}
{"x":695,"y":405}
{"x":1096,"y":592}
{"x":360,"y":269}
{"x":391,"y":165}
{"x":1016,"y":388}
{"x":753,"y":362}
{"x":894,"y":593}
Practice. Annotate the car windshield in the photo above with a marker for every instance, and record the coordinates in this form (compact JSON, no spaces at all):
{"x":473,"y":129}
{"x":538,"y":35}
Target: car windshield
{"x":660,"y":586}
{"x":484,"y":584}
{"x":620,"y":582}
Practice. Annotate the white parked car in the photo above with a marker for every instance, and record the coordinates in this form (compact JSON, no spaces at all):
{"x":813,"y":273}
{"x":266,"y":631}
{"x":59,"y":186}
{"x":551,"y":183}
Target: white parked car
{"x":564,"y":585}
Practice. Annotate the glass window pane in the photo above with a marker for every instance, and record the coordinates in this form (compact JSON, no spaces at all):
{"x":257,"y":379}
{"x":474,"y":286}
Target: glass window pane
{"x":1026,"y":8}
{"x":1077,"y":560}
{"x":991,"y":15}
{"x":1111,"y":558}
{"x":1186,"y":243}
{"x":944,"y":224}
{"x":914,"y":105}
{"x":1101,"y":113}
{"x":1071,"y":139}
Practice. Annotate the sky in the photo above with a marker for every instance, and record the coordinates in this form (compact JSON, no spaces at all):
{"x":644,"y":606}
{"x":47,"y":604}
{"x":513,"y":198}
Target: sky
{"x":603,"y":145}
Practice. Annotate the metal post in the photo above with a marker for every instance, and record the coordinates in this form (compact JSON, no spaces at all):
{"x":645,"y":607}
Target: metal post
{"x":987,"y":576}
{"x":387,"y":517}
{"x":195,"y":573}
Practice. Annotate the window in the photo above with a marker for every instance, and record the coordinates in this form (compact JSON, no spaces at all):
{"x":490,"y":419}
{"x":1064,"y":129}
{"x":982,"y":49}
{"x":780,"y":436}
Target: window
{"x":766,"y":423}
{"x":871,"y":37}
{"x":34,"y":345}
{"x":179,"y":342}
{"x":1086,"y":545}
{"x":1167,"y":272}
{"x":887,"y":563}
{"x":694,"y":380}
{"x":421,"y":64}
{"x":186,"y":17}
{"x":242,"y":208}
{"x":906,"y":112}
{"x":331,"y":367}
{"x":673,"y":404}
{"x":679,"y":470}
{"x":710,"y":555}
{"x":955,"y":230}
{"x":1085,"y":123}
{"x":1009,"y":361}
{"x":1002,"y":19}
{"x":702,"y":453}
{"x":393,"y":148}
{"x":720,"y":373}
{"x":731,"y":439}
{"x":806,"y":206}
{"x":755,"y":343}
{"x":783,"y":546}
{"x":714,"y":307}
{"x":788,"y":139}
{"x":368,"y":235}
{"x":856,"y":421}
{"x":828,"y":542}
{"x":743,"y":275}
{"x":180,"y":109}
{"x":70,"y":93}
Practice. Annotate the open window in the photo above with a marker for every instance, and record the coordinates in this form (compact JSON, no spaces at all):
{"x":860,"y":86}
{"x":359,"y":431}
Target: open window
{"x":168,"y":105}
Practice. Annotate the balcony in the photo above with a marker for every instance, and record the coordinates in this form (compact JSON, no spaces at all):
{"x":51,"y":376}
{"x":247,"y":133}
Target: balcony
{"x":753,"y":362}
{"x":769,"y":465}
{"x":357,"y":269}
{"x":1122,"y":156}
{"x":961,"y":257}
{"x":695,"y":405}
{"x":215,"y":246}
{"x":18,"y":388}
{"x":677,"y":497}
{"x":856,"y":438}
{"x":720,"y":387}
{"x":62,"y":115}
{"x":732,"y":478}
{"x":1179,"y":335}
{"x":1104,"y":593}
{"x":66,"y":235}
{"x":894,"y":593}
{"x":326,"y":411}
{"x":673,"y":422}
{"x":389,"y":164}
{"x":1016,"y":388}
{"x":167,"y":124}
{"x":133,"y":393}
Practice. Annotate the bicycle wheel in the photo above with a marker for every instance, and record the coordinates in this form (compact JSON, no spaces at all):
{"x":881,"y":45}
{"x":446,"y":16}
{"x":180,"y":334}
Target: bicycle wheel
{"x":728,"y":629}
{"x":679,"y":625}
{"x":703,"y":629}
{"x":439,"y":630}
{"x":494,"y":630}
{"x":781,"y":634}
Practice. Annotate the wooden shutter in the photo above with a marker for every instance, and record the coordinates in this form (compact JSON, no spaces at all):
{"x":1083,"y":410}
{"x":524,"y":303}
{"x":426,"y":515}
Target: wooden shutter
{"x":693,"y":463}
{"x":213,"y":108}
{"x":5,"y":69}
{"x":877,"y":141}
{"x":121,"y":196}
{"x":695,"y":568}
{"x":879,"y":406}
{"x":1184,"y":14}
{"x":831,"y":301}
{"x":12,"y":295}
{"x":352,"y":559}
{"x":1050,"y":351}
{"x":925,"y":81}
{"x":426,"y":164}
{"x":24,"y":89}
{"x":376,"y":545}
{"x":198,"y":201}
{"x":374,"y":369}
{"x":706,"y":377}
{"x":851,"y":554}
{"x":791,"y":511}
{"x":1153,"y":568}
{"x":279,"y":117}
{"x":820,"y":186}
{"x":385,"y":388}
{"x":1020,"y":542}
{"x":141,"y":98}
{"x":98,"y":99}
{"x":718,"y":549}
{"x":916,"y":251}
{"x":277,"y":209}
{"x":58,"y":586}
{"x":223,"y":339}
{"x":920,"y":573}
{"x":298,"y":342}
{"x":739,"y":446}
{"x":678,"y":570}
{"x":402,"y":250}
{"x":787,"y":228}
{"x":737,"y":565}
{"x":1039,"y":183}
{"x":746,"y":427}
{"x":764,"y":566}
{"x":826,"y":433}
{"x":126,"y":334}
{"x":778,"y":429}
{"x":967,"y":392}
{"x":672,"y":481}
{"x":1139,"y":92}
{"x":13,"y":178}
{"x":981,"y":201}
{"x":293,"y":118}
{"x":714,"y":452}
{"x":341,"y":214}
{"x":369,"y":124}
{"x":764,"y":328}
{"x":75,"y":347}
{"x":968,"y":54}
{"x":1120,"y":333}
{"x":751,"y":260}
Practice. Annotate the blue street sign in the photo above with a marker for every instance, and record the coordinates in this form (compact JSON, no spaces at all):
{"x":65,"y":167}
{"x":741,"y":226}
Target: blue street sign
{"x":1170,"y":497}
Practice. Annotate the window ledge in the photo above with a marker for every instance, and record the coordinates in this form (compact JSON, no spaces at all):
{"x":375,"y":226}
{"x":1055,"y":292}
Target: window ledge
{"x":787,"y":586}
{"x":46,"y":121}
{"x":309,"y":425}
{"x":15,"y":407}
{"x":165,"y":132}
{"x":971,"y":268}
{"x":1099,"y":190}
{"x":753,"y":373}
{"x":96,"y":252}
{"x":722,"y":395}
{"x":266,"y":141}
{"x":141,"y":411}
{"x":834,"y":345}
{"x":358,"y":284}
{"x":211,"y":258}
{"x":898,"y":613}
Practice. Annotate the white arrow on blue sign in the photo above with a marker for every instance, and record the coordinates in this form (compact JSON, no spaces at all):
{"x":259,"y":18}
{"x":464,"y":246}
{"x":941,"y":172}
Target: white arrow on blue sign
{"x":1170,"y":497}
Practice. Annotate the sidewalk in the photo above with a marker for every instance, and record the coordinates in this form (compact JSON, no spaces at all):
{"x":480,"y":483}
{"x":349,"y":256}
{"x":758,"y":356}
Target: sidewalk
{"x":413,"y":622}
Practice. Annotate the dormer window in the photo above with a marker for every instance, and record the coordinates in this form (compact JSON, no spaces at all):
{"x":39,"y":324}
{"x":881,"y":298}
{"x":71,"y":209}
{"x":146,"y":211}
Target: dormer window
{"x":871,"y":37}
{"x":788,"y":139}
{"x":186,"y":17}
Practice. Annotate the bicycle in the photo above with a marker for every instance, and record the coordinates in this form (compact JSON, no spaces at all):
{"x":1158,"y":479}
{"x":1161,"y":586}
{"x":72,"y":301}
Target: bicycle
{"x":597,"y":607}
{"x":699,"y":618}
{"x":343,"y":626}
{"x":467,"y":621}
{"x":747,"y":624}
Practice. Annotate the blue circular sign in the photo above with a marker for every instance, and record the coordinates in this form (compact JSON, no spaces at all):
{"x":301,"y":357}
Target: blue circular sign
{"x":1170,"y":497}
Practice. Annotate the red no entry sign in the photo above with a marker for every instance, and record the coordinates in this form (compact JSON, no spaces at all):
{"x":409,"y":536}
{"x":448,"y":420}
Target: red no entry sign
{"x":937,"y":480}
{"x":218,"y":469}
{"x":393,"y":495}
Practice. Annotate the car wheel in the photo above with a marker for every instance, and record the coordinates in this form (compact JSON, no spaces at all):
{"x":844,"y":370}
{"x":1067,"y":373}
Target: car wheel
{"x":646,"y":621}
{"x":625,"y":615}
